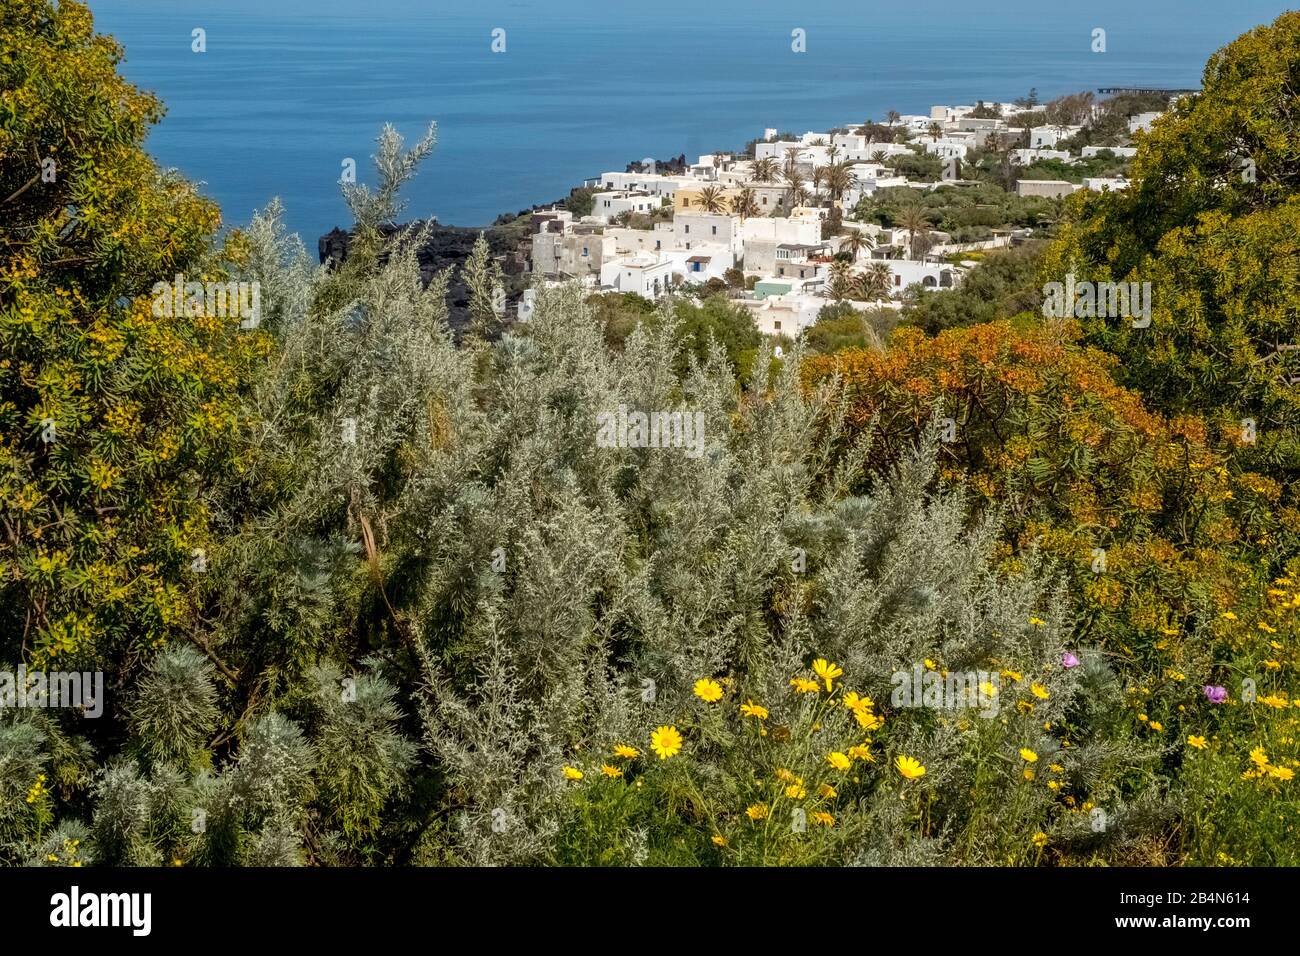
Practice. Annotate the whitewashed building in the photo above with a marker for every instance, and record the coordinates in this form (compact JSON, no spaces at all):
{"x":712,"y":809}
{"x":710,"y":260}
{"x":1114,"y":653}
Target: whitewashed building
{"x":641,"y":273}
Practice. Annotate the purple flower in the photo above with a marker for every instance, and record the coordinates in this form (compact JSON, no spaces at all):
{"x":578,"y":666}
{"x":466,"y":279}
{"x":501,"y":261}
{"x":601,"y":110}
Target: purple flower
{"x":1069,"y":660}
{"x":1215,"y":695}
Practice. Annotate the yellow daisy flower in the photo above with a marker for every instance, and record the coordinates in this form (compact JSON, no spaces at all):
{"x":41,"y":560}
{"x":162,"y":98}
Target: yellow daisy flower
{"x":708,"y":690}
{"x":839,"y":761}
{"x":909,"y":767}
{"x":826,"y":671}
{"x":665,"y":741}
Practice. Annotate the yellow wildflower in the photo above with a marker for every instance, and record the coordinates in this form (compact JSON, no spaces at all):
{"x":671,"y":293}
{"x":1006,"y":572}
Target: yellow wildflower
{"x":751,"y":709}
{"x":665,"y":741}
{"x":909,"y":767}
{"x":826,"y":671}
{"x":708,"y":690}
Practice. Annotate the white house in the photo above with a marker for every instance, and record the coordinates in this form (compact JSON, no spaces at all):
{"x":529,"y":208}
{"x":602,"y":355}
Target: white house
{"x":1024,"y":157}
{"x":608,"y":205}
{"x":656,"y":240}
{"x":871,"y":150}
{"x":1125,"y":152}
{"x":782,"y":229}
{"x":654,"y":184}
{"x":701,"y":263}
{"x":775,"y":149}
{"x":801,"y":260}
{"x":946,"y":148}
{"x":1142,"y":121}
{"x":692,"y":229}
{"x":1048,"y":136}
{"x":930,"y":275}
{"x":787,"y":314}
{"x":984,"y":127}
{"x":642,"y":273}
{"x":1100,"y":184}
{"x":849,"y":141}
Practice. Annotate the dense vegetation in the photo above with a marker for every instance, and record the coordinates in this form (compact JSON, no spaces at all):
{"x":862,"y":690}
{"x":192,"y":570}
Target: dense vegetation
{"x":364,"y":594}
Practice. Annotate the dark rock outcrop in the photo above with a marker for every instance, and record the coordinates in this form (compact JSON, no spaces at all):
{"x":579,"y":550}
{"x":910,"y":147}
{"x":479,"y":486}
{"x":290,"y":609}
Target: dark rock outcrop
{"x":446,"y":248}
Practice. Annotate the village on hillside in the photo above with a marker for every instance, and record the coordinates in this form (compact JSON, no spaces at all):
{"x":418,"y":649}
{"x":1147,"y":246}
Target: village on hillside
{"x":869,"y":214}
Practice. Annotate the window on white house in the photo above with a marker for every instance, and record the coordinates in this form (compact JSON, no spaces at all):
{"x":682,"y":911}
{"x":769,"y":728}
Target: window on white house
{"x":777,"y":325}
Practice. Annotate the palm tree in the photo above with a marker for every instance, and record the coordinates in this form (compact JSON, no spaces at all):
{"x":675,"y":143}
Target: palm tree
{"x":819,"y":141}
{"x":798,"y":195}
{"x":791,"y":171}
{"x":765,"y":170}
{"x":838,"y":177}
{"x":913,"y":218}
{"x":856,"y":241}
{"x":877,"y":281}
{"x":744,"y":204}
{"x":818,"y":176}
{"x":712,"y":199}
{"x":842,"y":283}
{"x":879,"y":156}
{"x":832,"y":153}
{"x":935,"y":131}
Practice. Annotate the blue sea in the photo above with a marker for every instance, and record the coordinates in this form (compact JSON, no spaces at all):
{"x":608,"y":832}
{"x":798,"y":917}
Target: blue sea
{"x":287,"y":88}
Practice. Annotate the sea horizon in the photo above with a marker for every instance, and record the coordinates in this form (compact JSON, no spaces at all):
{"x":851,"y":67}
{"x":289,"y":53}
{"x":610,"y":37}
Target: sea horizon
{"x":279,"y":99}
